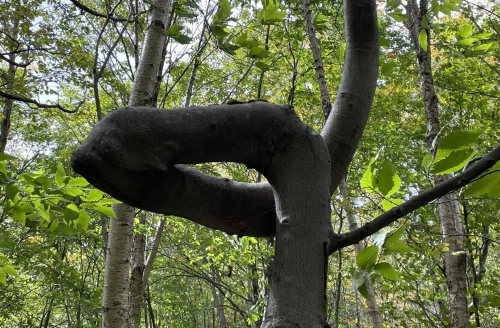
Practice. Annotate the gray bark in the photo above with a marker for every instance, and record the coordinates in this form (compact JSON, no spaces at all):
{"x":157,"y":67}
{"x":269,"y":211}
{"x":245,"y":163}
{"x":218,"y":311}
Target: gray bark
{"x":450,"y":217}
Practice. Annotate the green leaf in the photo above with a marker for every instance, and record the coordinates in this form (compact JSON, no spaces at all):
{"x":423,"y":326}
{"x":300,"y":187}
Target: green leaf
{"x":83,"y":221}
{"x":367,"y":257}
{"x":394,"y":236}
{"x":244,"y":42}
{"x":53,"y":225}
{"x":397,"y":248}
{"x":11,"y":191}
{"x":5,"y":157}
{"x":383,"y":42}
{"x":93,"y":195}
{"x":341,"y":52}
{"x":3,"y":277}
{"x":105,"y":210}
{"x":387,"y":181}
{"x":427,"y":161}
{"x":263,"y":66}
{"x":219,"y":32}
{"x":388,"y":204}
{"x":229,"y":48}
{"x":483,"y":186}
{"x":387,"y":271}
{"x":44,"y":181}
{"x":270,"y":14}
{"x":60,"y":175}
{"x":422,"y":39}
{"x":71,"y":213}
{"x":367,"y":180}
{"x":41,"y":210}
{"x":223,"y":12}
{"x":465,"y":30}
{"x":454,"y":162}
{"x":65,"y":230}
{"x":174,"y":30}
{"x":456,"y":140}
{"x":19,"y":214}
{"x":70,"y":191}
{"x":9,"y":269}
{"x":364,"y":291}
{"x":258,"y":52}
{"x":465,"y":42}
{"x":452,"y":6}
{"x":357,"y":279}
{"x":182,"y":39}
{"x":78,"y":182}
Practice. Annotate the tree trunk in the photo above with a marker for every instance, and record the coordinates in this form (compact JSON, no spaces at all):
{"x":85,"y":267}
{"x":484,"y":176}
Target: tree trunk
{"x":10,"y":76}
{"x":141,"y":94}
{"x":448,"y":206}
{"x":114,"y":302}
{"x":353,"y":225}
{"x":136,"y":288}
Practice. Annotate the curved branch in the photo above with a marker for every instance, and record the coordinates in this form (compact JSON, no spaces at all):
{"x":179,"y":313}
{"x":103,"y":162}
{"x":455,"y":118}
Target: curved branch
{"x":133,"y":153}
{"x":37,"y":104}
{"x":424,"y":198}
{"x":347,"y":120}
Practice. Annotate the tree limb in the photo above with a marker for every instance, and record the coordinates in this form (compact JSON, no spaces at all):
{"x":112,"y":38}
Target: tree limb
{"x":424,"y":198}
{"x":37,"y":104}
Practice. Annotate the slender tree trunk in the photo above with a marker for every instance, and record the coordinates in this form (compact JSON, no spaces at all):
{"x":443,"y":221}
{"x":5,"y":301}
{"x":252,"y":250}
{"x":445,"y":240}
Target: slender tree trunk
{"x":116,"y":277}
{"x":318,"y":61}
{"x":115,"y":307}
{"x":136,"y":290}
{"x":353,"y":225}
{"x":448,"y":206}
{"x":218,"y":302}
{"x":7,"y":107}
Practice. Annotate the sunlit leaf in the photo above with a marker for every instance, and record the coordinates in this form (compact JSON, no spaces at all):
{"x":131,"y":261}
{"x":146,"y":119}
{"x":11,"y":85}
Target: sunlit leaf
{"x":367,"y":257}
{"x":387,"y":271}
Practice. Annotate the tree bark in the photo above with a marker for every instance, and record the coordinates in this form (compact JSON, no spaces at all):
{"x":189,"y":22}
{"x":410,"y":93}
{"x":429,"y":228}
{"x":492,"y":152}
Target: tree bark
{"x":114,"y":303}
{"x":353,"y":225}
{"x":450,"y":217}
{"x":8,"y":103}
{"x":136,"y":288}
{"x":141,"y":94}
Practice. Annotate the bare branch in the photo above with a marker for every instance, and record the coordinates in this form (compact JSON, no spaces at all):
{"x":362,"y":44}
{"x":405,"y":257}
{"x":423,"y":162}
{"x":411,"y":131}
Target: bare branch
{"x":37,"y":104}
{"x":96,"y":13}
{"x":424,"y":198}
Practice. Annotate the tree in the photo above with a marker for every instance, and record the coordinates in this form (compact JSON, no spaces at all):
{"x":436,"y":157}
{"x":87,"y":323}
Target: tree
{"x":136,"y":155}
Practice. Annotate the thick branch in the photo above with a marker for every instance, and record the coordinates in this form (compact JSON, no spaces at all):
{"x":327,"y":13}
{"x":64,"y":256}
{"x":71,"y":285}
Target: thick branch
{"x":37,"y":104}
{"x":133,"y":154}
{"x":347,"y":120}
{"x":424,"y":198}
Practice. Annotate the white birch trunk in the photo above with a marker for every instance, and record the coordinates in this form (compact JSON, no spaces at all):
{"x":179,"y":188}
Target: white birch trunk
{"x":115,"y":299}
{"x":122,"y":226}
